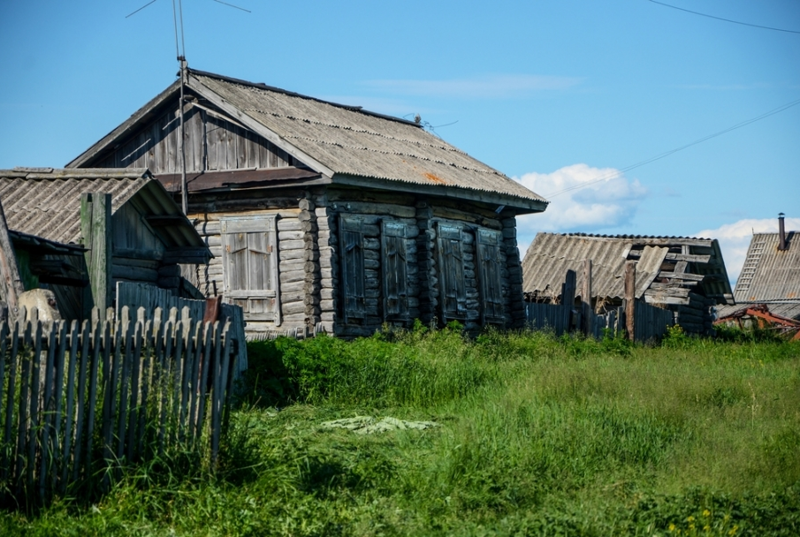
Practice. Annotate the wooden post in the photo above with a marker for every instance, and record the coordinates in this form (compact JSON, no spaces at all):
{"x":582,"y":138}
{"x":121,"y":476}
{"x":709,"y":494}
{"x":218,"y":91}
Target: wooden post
{"x":568,"y":299}
{"x":11,"y":282}
{"x":630,"y":299}
{"x":587,"y":316}
{"x":96,"y":231}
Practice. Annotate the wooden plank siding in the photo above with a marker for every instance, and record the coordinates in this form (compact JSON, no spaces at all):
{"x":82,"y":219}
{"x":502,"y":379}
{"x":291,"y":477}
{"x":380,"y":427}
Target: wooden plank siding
{"x":211,"y":143}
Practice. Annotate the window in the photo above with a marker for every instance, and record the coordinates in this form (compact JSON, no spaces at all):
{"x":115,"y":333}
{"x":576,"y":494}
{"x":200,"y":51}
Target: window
{"x":250,"y":266}
{"x":489,"y":273}
{"x":395,"y":270}
{"x":351,"y":239}
{"x":452,"y":288}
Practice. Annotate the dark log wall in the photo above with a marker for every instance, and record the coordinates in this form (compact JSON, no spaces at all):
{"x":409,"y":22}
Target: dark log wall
{"x":211,"y":144}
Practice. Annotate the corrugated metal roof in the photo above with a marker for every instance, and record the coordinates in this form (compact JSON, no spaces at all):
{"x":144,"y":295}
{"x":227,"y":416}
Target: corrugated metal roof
{"x":354,"y":142}
{"x":46,"y":202}
{"x":768,"y":274}
{"x":550,"y":255}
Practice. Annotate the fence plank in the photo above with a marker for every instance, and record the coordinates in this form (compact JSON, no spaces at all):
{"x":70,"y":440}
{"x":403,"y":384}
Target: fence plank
{"x":128,"y":328}
{"x":60,"y":360}
{"x":133,"y":405}
{"x":4,"y":333}
{"x":86,"y":341}
{"x":48,"y":410}
{"x":24,"y":406}
{"x":97,"y":342}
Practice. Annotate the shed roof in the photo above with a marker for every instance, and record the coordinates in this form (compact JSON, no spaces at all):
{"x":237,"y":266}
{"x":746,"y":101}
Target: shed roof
{"x":550,"y":255}
{"x":769,"y":274}
{"x":46,"y":202}
{"x":345,"y":143}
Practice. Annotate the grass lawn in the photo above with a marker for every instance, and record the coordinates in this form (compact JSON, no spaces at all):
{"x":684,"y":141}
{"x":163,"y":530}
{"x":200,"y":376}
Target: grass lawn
{"x":536,"y":435}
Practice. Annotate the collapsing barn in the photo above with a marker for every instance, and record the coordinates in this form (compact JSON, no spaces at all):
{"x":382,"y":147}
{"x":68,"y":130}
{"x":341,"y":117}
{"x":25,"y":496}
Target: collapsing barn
{"x":327,"y":216}
{"x":684,"y":274}
{"x":79,"y":232}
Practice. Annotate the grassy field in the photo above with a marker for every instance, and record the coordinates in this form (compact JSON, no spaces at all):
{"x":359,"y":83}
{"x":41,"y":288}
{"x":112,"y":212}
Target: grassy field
{"x":536,"y":435}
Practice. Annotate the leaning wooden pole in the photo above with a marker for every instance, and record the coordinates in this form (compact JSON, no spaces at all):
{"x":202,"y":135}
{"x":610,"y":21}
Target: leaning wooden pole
{"x":12,"y":283}
{"x":630,"y":299}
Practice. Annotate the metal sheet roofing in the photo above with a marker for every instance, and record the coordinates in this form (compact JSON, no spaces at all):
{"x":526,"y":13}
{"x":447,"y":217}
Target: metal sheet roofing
{"x":351,"y":141}
{"x":769,"y":274}
{"x":550,"y":255}
{"x":46,"y":202}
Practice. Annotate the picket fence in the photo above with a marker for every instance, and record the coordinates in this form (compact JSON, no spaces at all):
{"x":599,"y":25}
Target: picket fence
{"x":80,"y":401}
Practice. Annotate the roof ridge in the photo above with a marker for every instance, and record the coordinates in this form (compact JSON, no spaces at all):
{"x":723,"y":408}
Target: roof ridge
{"x":626,"y":236}
{"x":262,"y":86}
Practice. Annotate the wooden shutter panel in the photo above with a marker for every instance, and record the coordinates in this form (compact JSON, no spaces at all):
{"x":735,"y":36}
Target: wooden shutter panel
{"x":351,"y":239}
{"x":395,"y":270}
{"x":489,"y":242}
{"x":250,"y":266}
{"x":452,"y":288}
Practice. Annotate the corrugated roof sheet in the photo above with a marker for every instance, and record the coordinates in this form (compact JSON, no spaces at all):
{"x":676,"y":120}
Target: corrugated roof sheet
{"x":767,"y":273}
{"x":350,"y":141}
{"x":46,"y":202}
{"x":550,"y":255}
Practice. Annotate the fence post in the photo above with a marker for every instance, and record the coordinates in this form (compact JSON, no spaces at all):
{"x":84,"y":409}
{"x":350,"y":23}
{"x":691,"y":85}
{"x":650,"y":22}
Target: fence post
{"x":96,"y":232}
{"x":630,"y":299}
{"x":586,"y":299}
{"x":568,"y":298}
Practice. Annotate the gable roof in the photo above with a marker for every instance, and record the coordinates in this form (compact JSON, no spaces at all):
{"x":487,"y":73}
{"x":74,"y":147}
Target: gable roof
{"x":46,"y":202}
{"x":550,"y":255}
{"x":769,"y":274}
{"x":347,"y":144}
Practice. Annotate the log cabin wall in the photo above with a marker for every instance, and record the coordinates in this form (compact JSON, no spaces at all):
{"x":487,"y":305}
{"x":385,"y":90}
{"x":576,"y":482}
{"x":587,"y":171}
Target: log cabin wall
{"x":287,"y":308}
{"x":212,"y":143}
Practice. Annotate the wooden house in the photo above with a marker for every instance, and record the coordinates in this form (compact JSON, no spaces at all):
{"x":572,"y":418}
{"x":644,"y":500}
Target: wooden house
{"x":684,"y":274}
{"x":79,"y":232}
{"x":326,"y":215}
{"x":770,"y":275}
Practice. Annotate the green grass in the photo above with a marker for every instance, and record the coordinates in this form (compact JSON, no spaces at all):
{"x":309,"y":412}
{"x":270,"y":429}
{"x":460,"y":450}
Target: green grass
{"x":537,"y":436}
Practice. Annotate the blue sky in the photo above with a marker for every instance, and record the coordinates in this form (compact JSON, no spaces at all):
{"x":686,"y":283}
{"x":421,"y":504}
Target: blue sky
{"x":554,"y":93}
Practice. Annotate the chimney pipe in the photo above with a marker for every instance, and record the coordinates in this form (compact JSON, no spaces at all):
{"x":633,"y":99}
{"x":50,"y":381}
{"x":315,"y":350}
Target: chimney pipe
{"x":781,"y":234}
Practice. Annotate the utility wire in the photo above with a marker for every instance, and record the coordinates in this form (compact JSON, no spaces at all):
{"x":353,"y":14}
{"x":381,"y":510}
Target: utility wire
{"x":231,"y":5}
{"x":681,"y":148}
{"x":726,"y":20}
{"x":141,"y":8}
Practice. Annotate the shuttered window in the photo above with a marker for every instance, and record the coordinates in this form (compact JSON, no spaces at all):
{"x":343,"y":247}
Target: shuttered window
{"x":452,"y":288}
{"x":489,"y":274}
{"x":395,"y":270}
{"x":250,"y":266}
{"x":351,"y":239}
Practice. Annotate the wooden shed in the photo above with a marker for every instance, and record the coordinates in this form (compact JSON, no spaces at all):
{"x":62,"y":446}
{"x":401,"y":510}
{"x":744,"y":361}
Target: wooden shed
{"x":684,"y":274}
{"x":322,"y":215}
{"x":770,"y":275}
{"x":79,"y":232}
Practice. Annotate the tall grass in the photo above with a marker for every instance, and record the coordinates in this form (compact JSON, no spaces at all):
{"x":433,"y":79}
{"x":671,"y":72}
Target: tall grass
{"x":538,"y":436}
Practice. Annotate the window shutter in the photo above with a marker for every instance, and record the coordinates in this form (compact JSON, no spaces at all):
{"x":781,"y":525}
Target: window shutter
{"x":489,"y":242}
{"x":395,"y":271}
{"x":351,"y":237}
{"x":250,"y":266}
{"x":452,"y":288}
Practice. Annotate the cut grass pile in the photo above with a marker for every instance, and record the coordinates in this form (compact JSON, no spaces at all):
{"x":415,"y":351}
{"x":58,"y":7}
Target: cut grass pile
{"x":537,"y":435}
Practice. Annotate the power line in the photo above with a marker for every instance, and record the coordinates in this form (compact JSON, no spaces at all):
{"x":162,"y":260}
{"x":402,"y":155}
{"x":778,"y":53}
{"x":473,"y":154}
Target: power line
{"x":141,"y":8}
{"x":681,"y":148}
{"x":726,"y":20}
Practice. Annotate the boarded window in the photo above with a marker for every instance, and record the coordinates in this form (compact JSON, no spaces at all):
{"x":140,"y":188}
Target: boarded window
{"x":250,"y":266}
{"x":490,"y":274}
{"x":395,"y":271}
{"x":452,"y":288}
{"x":351,"y":239}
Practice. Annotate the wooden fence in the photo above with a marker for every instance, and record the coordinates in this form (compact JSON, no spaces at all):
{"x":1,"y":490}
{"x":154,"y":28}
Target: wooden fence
{"x":650,"y":322}
{"x":77,"y":401}
{"x":141,"y":295}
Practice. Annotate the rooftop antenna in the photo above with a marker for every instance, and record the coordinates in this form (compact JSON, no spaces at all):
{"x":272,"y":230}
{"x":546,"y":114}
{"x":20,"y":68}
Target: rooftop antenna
{"x":180,"y":52}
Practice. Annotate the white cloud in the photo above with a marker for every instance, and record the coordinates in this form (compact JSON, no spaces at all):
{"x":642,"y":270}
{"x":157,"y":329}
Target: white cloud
{"x":582,"y":198}
{"x":735,"y":238}
{"x":492,"y":86}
